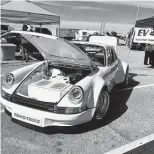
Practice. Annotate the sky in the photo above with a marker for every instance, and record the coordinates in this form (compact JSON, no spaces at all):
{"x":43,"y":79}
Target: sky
{"x":119,"y":16}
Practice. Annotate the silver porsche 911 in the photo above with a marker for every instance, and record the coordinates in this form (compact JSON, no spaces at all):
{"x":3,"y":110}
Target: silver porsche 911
{"x":70,"y":86}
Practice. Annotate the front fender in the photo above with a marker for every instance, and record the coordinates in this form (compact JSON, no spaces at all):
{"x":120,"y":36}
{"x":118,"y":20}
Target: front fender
{"x":97,"y":85}
{"x":20,"y":74}
{"x":125,"y":66}
{"x":85,"y":84}
{"x":121,"y":73}
{"x":92,"y":88}
{"x":124,"y":69}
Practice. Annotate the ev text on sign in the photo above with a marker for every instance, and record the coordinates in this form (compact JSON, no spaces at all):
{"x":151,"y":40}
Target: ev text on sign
{"x":144,"y":35}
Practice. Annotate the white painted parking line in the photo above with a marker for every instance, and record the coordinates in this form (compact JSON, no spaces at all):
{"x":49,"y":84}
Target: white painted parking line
{"x":1,"y":75}
{"x":137,"y":87}
{"x":132,"y":145}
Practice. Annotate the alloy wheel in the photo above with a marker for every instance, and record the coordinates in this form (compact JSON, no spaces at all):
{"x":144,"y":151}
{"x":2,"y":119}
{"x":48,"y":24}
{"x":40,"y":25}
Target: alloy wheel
{"x":102,"y":105}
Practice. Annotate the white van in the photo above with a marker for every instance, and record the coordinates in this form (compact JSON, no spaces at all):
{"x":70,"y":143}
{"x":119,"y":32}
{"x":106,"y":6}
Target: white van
{"x":81,"y":35}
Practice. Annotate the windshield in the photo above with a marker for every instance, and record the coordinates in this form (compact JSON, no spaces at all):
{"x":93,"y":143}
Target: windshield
{"x":95,"y":52}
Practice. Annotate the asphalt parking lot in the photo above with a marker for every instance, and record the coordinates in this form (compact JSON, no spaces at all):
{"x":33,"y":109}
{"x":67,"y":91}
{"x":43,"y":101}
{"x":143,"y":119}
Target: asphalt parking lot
{"x":130,"y":117}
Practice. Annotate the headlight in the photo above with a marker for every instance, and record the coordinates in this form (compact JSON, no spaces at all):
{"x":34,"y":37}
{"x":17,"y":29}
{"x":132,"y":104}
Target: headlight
{"x":75,"y":95}
{"x":8,"y":80}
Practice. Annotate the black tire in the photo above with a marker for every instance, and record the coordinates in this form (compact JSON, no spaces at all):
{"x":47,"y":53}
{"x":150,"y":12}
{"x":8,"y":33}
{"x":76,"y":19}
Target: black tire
{"x":102,"y":105}
{"x":132,"y":48}
{"x":152,"y":65}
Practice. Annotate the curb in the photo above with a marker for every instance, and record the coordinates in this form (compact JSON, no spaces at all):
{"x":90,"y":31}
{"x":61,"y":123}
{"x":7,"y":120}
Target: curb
{"x":144,"y":145}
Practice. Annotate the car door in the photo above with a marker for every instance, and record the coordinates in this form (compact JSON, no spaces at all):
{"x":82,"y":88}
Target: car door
{"x":112,"y":68}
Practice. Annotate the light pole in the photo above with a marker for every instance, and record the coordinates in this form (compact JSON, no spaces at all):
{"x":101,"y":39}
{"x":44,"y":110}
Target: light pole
{"x":132,"y":37}
{"x":137,"y":14}
{"x":102,"y":25}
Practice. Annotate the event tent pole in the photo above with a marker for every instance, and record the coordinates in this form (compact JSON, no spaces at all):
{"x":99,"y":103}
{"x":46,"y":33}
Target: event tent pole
{"x":137,"y":14}
{"x":103,"y":26}
{"x":59,"y":29}
{"x":40,"y":28}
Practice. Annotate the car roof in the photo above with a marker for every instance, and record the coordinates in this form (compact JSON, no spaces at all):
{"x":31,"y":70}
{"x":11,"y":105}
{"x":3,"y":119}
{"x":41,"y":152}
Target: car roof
{"x":35,"y":34}
{"x":91,"y":43}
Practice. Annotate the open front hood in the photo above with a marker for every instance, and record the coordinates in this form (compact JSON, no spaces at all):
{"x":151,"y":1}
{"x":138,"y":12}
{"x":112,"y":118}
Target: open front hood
{"x":59,"y":51}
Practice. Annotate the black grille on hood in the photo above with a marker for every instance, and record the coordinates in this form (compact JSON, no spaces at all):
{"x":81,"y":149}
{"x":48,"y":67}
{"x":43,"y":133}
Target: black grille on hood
{"x":28,"y":102}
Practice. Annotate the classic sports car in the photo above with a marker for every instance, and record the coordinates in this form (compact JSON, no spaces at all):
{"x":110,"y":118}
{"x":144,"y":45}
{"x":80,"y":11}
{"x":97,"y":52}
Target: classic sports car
{"x":70,"y":87}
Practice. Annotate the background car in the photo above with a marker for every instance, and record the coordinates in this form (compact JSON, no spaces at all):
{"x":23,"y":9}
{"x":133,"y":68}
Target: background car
{"x":121,"y":40}
{"x":42,"y":30}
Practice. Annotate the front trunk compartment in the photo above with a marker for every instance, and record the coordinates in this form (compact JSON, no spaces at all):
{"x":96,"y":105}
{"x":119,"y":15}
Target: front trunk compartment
{"x":47,"y":85}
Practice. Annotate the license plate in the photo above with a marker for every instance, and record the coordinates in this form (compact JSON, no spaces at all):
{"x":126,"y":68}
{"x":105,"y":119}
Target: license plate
{"x":26,"y":118}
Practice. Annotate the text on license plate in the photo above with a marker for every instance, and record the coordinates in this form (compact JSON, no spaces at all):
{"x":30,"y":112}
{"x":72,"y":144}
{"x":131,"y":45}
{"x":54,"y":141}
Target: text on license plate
{"x":24,"y":118}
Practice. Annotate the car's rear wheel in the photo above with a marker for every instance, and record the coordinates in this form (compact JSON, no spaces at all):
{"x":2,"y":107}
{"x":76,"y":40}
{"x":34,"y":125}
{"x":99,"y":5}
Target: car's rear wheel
{"x":102,"y":105}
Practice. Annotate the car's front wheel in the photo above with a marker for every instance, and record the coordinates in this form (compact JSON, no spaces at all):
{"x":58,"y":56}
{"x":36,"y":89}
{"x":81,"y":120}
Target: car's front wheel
{"x":102,"y":105}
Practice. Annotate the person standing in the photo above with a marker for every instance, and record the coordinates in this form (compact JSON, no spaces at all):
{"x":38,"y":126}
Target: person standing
{"x":152,"y":56}
{"x":23,"y":49}
{"x":147,"y":57}
{"x":24,"y":27}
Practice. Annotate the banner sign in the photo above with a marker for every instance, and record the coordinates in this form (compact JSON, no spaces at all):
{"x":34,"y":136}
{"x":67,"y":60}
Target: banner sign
{"x":144,"y":35}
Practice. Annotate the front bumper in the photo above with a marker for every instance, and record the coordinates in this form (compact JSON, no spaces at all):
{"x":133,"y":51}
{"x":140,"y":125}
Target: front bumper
{"x":43,"y":118}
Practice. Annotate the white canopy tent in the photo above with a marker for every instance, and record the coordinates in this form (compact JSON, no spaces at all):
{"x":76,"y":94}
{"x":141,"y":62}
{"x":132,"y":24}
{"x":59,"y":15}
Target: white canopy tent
{"x":25,"y":12}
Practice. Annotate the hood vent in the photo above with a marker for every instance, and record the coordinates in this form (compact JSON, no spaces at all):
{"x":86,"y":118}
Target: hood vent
{"x":43,"y":83}
{"x":58,"y":86}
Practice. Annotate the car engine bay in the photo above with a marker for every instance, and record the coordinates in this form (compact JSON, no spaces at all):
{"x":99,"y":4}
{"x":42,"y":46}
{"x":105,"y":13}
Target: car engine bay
{"x":50,"y":85}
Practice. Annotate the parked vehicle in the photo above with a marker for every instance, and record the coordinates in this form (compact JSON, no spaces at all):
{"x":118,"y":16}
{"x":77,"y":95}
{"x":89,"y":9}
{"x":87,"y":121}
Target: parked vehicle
{"x":65,"y":33}
{"x":130,"y":41}
{"x":42,"y":30}
{"x":3,"y":32}
{"x":74,"y":34}
{"x":121,"y":40}
{"x":70,"y":87}
{"x":5,"y":28}
{"x":82,"y":34}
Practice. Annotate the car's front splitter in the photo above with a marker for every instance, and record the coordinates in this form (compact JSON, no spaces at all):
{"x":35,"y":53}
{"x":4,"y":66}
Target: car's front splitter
{"x":43,"y":118}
